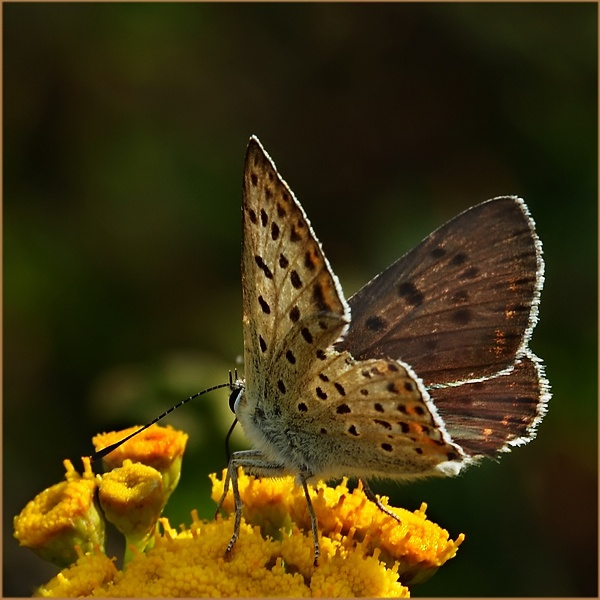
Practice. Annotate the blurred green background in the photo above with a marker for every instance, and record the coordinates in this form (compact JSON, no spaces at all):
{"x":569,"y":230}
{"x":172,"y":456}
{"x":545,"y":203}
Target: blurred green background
{"x":125,"y":128}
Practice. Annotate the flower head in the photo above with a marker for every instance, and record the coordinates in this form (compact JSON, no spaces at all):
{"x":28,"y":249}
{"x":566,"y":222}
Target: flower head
{"x":158,"y":447}
{"x":132,"y":499}
{"x":62,"y":517}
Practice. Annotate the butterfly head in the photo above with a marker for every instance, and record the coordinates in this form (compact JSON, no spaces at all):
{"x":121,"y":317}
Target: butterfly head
{"x":236,"y":391}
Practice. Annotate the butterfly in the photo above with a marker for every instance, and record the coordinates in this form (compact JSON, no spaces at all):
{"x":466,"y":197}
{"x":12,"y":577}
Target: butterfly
{"x":422,"y":372}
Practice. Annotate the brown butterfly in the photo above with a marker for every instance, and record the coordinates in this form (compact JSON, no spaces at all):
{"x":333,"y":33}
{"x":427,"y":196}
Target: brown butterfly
{"x":423,"y":371}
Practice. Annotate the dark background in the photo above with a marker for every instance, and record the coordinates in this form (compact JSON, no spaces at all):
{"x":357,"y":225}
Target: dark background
{"x":125,"y":128}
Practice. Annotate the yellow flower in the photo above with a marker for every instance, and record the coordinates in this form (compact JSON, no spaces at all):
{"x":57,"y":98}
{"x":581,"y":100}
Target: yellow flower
{"x":419,"y":546}
{"x":364,"y":552}
{"x":132,"y":499}
{"x":61,"y":517}
{"x":158,"y":447}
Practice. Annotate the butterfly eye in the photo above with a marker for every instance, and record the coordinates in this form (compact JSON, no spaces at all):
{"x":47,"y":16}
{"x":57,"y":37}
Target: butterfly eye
{"x":234,"y":398}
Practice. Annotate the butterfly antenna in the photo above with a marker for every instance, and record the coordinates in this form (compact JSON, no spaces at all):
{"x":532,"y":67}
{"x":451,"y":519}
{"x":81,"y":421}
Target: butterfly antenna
{"x":102,"y":453}
{"x":233,"y":379}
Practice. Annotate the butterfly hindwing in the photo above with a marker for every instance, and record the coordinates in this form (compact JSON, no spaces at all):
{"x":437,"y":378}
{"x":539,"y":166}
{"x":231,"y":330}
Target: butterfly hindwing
{"x":375,"y":419}
{"x":489,"y":416}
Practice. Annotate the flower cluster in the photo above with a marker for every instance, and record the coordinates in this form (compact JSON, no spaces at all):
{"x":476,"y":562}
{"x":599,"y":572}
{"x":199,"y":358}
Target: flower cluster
{"x":364,"y":552}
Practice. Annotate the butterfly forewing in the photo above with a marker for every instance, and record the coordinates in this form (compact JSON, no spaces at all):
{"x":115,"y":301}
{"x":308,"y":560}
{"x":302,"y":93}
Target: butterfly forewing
{"x":307,"y":405}
{"x":461,"y":305}
{"x":289,"y":290}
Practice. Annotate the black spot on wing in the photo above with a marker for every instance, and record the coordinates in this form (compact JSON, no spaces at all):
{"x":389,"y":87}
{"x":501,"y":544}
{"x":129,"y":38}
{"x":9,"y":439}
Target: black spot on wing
{"x":410,"y":293}
{"x":376,"y":323}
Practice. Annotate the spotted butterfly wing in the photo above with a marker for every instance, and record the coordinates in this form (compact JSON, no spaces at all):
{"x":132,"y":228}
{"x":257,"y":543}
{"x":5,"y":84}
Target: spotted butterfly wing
{"x":286,"y":280}
{"x":460,"y":309}
{"x":308,"y":407}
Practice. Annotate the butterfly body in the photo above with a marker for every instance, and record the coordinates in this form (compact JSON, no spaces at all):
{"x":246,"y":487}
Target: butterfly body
{"x":422,"y":372}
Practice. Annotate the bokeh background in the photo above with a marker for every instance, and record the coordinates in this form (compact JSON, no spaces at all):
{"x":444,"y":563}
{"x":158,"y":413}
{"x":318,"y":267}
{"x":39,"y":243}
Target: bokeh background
{"x":125,"y":128}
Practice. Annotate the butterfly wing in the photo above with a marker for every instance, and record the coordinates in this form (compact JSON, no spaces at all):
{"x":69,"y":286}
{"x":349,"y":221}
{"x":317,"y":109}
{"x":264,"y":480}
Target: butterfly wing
{"x":287,"y":285}
{"x":305,"y":404}
{"x":490,"y":416}
{"x":460,"y":309}
{"x":372,"y":418}
{"x":461,"y":304}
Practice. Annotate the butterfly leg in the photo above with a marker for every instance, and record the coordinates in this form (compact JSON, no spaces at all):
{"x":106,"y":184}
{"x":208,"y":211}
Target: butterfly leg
{"x":313,"y":519}
{"x":254,"y":463}
{"x":373,"y":498}
{"x":223,"y":496}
